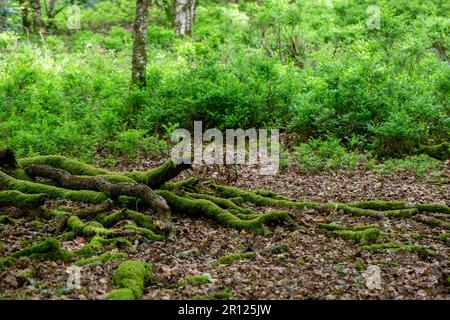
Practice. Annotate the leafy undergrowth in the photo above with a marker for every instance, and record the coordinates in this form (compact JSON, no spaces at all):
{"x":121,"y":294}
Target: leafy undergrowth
{"x":325,"y":255}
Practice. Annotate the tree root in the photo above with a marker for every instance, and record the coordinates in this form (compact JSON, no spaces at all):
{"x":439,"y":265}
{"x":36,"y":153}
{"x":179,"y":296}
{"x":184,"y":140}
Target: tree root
{"x":232,"y":257}
{"x":112,"y":190}
{"x":202,"y":207}
{"x":12,"y":198}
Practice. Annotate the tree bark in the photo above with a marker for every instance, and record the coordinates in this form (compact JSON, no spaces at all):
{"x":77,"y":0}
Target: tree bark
{"x":38,"y":24}
{"x":139,"y":59}
{"x":184,"y":17}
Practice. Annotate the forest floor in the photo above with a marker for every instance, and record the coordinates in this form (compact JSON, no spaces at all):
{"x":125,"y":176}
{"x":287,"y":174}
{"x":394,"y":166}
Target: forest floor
{"x":317,"y":264}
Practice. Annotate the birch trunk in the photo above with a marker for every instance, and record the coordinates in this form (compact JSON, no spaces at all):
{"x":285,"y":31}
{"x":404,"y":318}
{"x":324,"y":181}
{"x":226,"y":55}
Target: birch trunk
{"x":139,"y":59}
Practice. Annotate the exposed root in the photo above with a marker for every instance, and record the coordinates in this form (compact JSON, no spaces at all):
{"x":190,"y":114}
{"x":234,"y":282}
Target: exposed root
{"x":13,"y":198}
{"x":153,"y":178}
{"x":86,"y":196}
{"x":107,"y":256}
{"x":421,"y":250}
{"x":202,"y":207}
{"x":7,"y":160}
{"x":232,"y":257}
{"x":112,"y":190}
{"x":48,"y":249}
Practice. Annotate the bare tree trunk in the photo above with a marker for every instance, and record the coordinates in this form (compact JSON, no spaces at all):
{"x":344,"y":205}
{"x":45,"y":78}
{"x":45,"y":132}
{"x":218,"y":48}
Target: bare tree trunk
{"x":184,"y":17}
{"x":139,"y":59}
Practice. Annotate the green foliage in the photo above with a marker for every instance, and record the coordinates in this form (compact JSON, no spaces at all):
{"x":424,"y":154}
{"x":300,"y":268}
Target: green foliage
{"x":419,"y":165}
{"x":308,"y":67}
{"x":326,"y":154}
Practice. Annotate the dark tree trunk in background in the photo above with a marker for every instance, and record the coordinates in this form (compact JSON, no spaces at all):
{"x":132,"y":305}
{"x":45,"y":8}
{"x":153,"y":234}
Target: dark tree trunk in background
{"x":24,"y":11}
{"x":184,"y":17}
{"x":139,"y":59}
{"x":37,"y":18}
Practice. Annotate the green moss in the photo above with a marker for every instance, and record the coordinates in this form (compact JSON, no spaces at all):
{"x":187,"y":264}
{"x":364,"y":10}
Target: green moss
{"x":433,"y":208}
{"x":141,"y":219}
{"x":198,"y":280}
{"x":401,"y":213}
{"x":440,"y":151}
{"x":121,"y":294}
{"x":21,"y":200}
{"x":37,"y":225}
{"x":6,"y":262}
{"x":379,"y":205}
{"x":6,"y":219}
{"x":415,"y":235}
{"x":74,"y":167}
{"x":48,"y":249}
{"x":28,"y":187}
{"x":132,"y":275}
{"x":97,"y":243}
{"x":359,"y":266}
{"x":149,"y":234}
{"x":153,"y":178}
{"x":202,"y":207}
{"x":107,"y":256}
{"x":362,"y":236}
{"x":235,"y":256}
{"x":444,"y":236}
{"x":223,"y":203}
{"x":88,"y":229}
{"x":399,"y":246}
{"x":223,"y":294}
{"x":337,"y":227}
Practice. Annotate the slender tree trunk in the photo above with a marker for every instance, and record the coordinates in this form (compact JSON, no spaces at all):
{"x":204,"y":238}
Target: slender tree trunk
{"x":37,"y":18}
{"x":184,"y":17}
{"x":139,"y":59}
{"x":24,"y":10}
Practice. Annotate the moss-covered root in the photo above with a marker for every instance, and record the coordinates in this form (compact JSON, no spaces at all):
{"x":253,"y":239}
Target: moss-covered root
{"x":95,"y":228}
{"x":113,"y":190}
{"x":107,"y":256}
{"x":206,"y":208}
{"x":9,"y":183}
{"x":131,"y":278}
{"x":152,"y":178}
{"x":431,"y":221}
{"x":97,"y":243}
{"x":236,"y":256}
{"x":357,"y":234}
{"x":48,"y":249}
{"x":21,"y":200}
{"x":421,"y":250}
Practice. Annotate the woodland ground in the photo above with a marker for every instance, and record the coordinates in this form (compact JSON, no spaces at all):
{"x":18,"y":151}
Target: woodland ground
{"x":316,"y":265}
